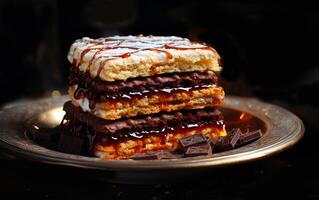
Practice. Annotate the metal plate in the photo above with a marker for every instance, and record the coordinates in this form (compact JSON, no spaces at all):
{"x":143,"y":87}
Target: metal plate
{"x":283,"y":129}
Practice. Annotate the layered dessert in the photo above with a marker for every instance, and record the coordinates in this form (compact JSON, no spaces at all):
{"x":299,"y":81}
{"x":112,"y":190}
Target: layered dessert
{"x":136,"y":94}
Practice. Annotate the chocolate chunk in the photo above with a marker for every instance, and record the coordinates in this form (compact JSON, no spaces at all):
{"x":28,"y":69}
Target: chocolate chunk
{"x":192,"y":140}
{"x":169,"y":154}
{"x":229,"y":141}
{"x":211,"y":143}
{"x":249,"y":137}
{"x":203,"y":149}
{"x":145,"y":156}
{"x":162,"y":154}
{"x":70,"y":144}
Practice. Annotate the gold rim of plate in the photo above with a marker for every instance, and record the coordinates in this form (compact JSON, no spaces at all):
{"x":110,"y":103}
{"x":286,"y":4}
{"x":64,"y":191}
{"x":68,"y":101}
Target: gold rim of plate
{"x":283,"y":130}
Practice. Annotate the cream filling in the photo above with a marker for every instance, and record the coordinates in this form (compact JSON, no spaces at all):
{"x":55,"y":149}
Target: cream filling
{"x":83,"y":102}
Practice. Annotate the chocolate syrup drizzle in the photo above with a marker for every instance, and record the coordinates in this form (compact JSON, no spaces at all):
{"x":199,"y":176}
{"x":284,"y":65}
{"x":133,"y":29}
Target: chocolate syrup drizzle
{"x":97,"y":90}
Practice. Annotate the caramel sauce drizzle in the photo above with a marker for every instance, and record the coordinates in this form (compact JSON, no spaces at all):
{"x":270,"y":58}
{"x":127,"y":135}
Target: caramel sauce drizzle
{"x":154,"y":46}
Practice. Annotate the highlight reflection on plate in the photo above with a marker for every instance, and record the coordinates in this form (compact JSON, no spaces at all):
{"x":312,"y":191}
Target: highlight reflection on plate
{"x":281,"y":129}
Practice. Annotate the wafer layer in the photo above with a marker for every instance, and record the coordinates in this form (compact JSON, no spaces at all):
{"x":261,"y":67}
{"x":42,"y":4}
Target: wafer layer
{"x":153,"y":103}
{"x":116,"y":139}
{"x":123,"y":57}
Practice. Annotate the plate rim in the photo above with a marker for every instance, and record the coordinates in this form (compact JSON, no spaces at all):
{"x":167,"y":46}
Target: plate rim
{"x":141,"y":165}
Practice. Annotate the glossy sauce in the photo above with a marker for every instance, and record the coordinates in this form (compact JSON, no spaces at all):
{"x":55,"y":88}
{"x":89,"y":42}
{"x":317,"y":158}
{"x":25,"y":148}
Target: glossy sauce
{"x":127,"y":96}
{"x":159,"y":132}
{"x":242,"y":120}
{"x":232,"y":119}
{"x":86,"y":87}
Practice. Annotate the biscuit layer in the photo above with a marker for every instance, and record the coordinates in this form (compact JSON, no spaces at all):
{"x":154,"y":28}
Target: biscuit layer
{"x":123,"y":57}
{"x":153,"y":103}
{"x":170,"y":141}
{"x":118,"y":139}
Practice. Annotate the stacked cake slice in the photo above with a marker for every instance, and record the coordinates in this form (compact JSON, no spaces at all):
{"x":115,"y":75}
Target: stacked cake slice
{"x":136,"y":94}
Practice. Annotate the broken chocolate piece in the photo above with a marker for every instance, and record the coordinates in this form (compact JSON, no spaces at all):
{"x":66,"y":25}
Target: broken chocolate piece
{"x":229,"y":142}
{"x":145,"y":156}
{"x":211,"y":143}
{"x":162,"y":154}
{"x":249,"y":137}
{"x":203,"y":149}
{"x":193,"y":140}
{"x":70,"y":144}
{"x":169,"y":154}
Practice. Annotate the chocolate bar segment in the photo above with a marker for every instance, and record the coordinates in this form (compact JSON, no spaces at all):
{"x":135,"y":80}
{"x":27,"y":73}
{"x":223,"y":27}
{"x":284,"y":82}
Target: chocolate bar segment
{"x":249,"y":137}
{"x":203,"y":149}
{"x":145,"y":156}
{"x":229,"y":141}
{"x":211,"y":143}
{"x":161,"y":154}
{"x":165,"y":154}
{"x":192,"y":140}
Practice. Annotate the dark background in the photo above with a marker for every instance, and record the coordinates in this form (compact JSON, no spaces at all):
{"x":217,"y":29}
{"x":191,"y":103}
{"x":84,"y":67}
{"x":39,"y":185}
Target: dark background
{"x":269,"y":51}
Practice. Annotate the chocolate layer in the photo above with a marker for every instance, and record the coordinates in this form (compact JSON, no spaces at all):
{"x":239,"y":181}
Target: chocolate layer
{"x":138,"y":127}
{"x":99,"y":90}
